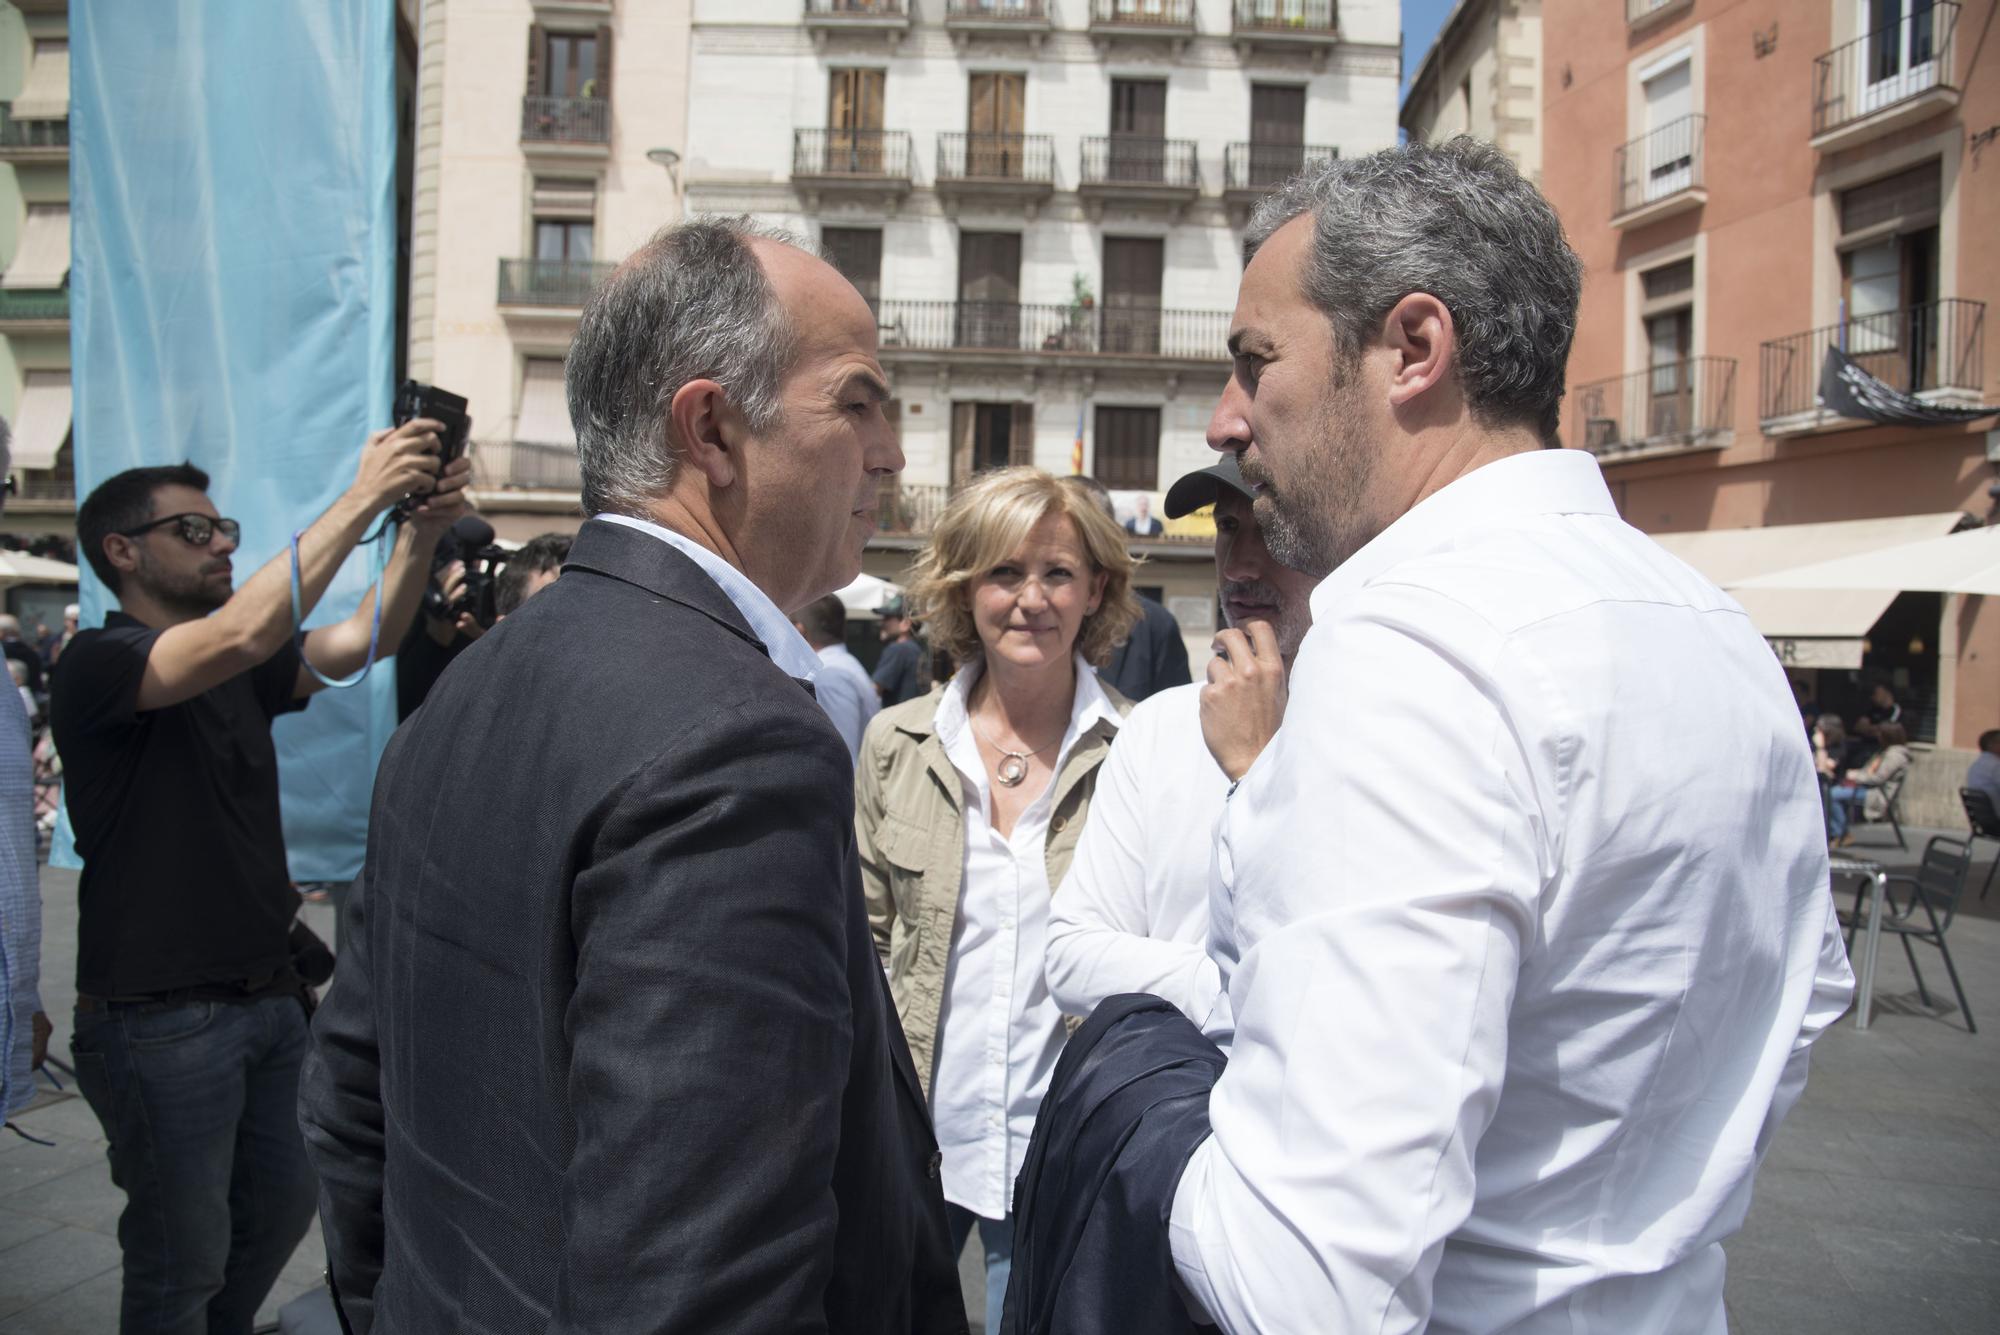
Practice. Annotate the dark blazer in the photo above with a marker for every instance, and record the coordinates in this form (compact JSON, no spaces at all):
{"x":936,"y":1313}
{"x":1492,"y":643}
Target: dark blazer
{"x":1153,"y":658}
{"x":1126,"y":1109}
{"x":608,"y":1048}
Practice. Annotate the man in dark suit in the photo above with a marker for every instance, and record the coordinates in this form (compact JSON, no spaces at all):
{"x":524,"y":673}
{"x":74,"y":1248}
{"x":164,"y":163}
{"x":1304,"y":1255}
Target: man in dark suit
{"x":609,"y":1048}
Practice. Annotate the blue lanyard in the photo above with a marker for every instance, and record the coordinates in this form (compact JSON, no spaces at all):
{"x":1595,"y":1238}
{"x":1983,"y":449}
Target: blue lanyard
{"x":381,"y":543}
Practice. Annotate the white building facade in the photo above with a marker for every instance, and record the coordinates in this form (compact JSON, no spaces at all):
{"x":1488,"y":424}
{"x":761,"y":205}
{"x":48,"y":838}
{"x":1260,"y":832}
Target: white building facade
{"x":1044,"y":200}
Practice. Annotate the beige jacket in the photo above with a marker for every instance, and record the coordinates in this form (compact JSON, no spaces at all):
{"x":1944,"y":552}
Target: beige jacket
{"x":910,"y":828}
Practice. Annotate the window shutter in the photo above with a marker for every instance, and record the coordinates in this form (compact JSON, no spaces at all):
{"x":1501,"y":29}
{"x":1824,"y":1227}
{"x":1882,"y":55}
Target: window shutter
{"x":1021,"y":443}
{"x":538,"y":60}
{"x":962,"y":426}
{"x":604,"y":62}
{"x":1909,"y":199}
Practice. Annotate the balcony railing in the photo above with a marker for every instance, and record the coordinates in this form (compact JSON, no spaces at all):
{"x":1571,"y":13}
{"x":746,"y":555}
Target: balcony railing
{"x":1254,"y":167}
{"x":1938,"y":346}
{"x":860,"y":9}
{"x":1119,"y":160}
{"x":909,"y":508}
{"x":1144,"y":14}
{"x":941,"y":326}
{"x":528,"y":465}
{"x":46,"y":488}
{"x":1659,"y":166}
{"x":559,"y":283}
{"x":33,"y":304}
{"x":883,"y":153}
{"x":1644,"y":11}
{"x":996,"y":157}
{"x":998,"y":11}
{"x":31,"y":134}
{"x":1292,"y":17}
{"x":1885,"y":68}
{"x":565,"y":120}
{"x":1687,"y":403}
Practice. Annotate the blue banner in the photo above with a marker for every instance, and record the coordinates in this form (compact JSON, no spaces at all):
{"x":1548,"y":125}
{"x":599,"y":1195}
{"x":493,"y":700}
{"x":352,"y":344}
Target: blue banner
{"x":232,"y":297}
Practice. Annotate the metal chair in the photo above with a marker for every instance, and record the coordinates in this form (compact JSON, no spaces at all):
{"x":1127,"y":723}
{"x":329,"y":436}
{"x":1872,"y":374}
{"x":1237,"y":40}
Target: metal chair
{"x":1985,"y":821}
{"x":1891,"y":792}
{"x":1926,"y":911}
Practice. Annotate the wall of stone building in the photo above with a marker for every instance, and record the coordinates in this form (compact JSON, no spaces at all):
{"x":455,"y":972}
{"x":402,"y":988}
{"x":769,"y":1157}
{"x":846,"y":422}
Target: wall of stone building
{"x":22,"y":184}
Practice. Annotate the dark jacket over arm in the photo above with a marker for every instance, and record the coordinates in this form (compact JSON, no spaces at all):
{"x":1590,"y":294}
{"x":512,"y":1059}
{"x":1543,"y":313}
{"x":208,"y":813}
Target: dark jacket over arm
{"x":616,"y":1055}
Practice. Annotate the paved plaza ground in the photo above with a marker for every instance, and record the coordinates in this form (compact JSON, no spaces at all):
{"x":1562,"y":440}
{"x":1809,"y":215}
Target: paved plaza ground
{"x":1877,"y":1213}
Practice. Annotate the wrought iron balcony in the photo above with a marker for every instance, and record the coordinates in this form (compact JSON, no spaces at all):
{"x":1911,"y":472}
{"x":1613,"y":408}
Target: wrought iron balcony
{"x":559,"y":284}
{"x":1938,"y":347}
{"x":1134,"y":169}
{"x":46,"y":486}
{"x":1169,"y":18}
{"x":996,"y":157}
{"x":19,"y":306}
{"x":1680,"y":405}
{"x":998,"y":13}
{"x":526,"y":465}
{"x":565,"y":120}
{"x":883,"y":155}
{"x":1300,"y":20}
{"x":1661,"y":174}
{"x":1893,"y":75}
{"x":1075,"y":329}
{"x":1638,"y":13}
{"x":32,"y":139}
{"x":909,"y":509}
{"x":1253,"y":169}
{"x":888,"y":18}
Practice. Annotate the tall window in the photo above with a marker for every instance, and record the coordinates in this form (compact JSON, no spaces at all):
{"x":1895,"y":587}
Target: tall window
{"x":996,"y":111}
{"x":854,"y":120}
{"x":1138,"y":130}
{"x":989,"y":289}
{"x":1901,"y":55}
{"x":1889,"y":275}
{"x":569,"y":64}
{"x":1133,"y":269}
{"x":1669,"y":315}
{"x":562,"y":239}
{"x":1669,"y":149}
{"x":1277,"y":132}
{"x":990,"y":435}
{"x":1128,"y":448}
{"x":857,"y":253}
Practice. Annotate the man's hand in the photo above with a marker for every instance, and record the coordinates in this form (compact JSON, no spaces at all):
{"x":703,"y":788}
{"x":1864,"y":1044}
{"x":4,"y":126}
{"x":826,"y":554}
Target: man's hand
{"x":1244,"y":701}
{"x":397,"y":462}
{"x":447,"y":504}
{"x":451,"y":583}
{"x":42,"y":1030}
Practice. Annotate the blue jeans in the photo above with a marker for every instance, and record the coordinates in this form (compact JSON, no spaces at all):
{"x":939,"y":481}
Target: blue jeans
{"x":1837,"y":810}
{"x":997,"y":1237}
{"x":200,"y":1103}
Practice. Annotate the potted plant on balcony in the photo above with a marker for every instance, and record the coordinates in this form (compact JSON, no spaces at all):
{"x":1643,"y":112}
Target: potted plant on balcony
{"x":1076,"y":337}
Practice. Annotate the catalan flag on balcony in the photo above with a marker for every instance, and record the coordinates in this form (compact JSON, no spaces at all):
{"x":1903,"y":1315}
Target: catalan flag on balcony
{"x":1076,"y":450}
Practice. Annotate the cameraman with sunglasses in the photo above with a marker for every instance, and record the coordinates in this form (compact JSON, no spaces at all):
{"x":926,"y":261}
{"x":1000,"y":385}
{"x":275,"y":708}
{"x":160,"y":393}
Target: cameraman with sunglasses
{"x":190,"y":1020}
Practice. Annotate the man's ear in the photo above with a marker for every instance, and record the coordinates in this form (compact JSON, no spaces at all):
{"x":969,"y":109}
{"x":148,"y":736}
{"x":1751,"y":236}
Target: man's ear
{"x":708,"y":431}
{"x":121,"y":551}
{"x":1419,"y":331}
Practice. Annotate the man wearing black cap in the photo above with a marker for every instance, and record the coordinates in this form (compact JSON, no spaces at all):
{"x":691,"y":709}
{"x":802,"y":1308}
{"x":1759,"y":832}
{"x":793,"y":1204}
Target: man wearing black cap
{"x":1133,"y":914}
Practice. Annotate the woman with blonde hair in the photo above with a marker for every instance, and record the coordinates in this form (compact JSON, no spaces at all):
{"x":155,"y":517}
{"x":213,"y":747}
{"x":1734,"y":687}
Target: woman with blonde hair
{"x":968,"y":804}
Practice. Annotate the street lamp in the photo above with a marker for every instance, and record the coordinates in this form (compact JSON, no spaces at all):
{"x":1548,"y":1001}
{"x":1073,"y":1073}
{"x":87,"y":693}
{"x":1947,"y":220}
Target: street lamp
{"x":668,"y":158}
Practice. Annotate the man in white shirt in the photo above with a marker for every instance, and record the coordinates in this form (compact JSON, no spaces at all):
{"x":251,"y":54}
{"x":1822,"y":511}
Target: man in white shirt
{"x":1528,"y":920}
{"x":1133,"y":912}
{"x":843,"y":687}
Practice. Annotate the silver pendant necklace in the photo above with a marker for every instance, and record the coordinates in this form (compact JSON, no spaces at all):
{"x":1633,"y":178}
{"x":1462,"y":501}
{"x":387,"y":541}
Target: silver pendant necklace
{"x":1013,"y":766}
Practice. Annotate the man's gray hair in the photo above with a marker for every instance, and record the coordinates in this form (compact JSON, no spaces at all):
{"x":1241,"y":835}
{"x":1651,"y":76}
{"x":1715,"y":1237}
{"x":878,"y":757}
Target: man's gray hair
{"x":1454,"y":220}
{"x":693,"y":303}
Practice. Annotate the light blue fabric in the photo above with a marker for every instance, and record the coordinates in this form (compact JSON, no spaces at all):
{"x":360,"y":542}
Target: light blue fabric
{"x":788,"y":648}
{"x":232,"y":302}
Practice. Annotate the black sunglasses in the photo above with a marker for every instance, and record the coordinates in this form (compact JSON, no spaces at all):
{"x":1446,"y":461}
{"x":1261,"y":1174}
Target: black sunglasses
{"x":196,"y":530}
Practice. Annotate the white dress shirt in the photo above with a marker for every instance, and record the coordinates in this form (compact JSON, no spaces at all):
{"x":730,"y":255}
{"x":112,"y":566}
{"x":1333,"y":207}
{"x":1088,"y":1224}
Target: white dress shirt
{"x":847,"y":694}
{"x":1133,"y":912}
{"x":788,"y":648}
{"x":999,"y":1030}
{"x":1532,"y":932}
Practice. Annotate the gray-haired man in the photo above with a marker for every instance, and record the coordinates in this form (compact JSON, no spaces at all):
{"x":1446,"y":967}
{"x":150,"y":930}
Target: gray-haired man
{"x":608,"y":975}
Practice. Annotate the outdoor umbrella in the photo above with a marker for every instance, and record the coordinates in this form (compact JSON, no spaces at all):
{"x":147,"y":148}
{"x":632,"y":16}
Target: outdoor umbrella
{"x":866,"y":594}
{"x":1967,"y":562}
{"x":21,"y":568}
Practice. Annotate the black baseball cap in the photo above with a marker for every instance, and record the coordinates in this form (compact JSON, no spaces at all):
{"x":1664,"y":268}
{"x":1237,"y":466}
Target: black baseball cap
{"x":1193,"y":490}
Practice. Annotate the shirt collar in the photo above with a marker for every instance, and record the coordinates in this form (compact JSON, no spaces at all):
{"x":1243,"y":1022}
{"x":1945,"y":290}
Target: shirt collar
{"x":788,"y":648}
{"x":1091,"y":704}
{"x":1534,"y":482}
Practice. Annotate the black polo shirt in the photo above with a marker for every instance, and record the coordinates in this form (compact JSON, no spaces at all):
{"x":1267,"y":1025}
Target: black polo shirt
{"x":176,"y":816}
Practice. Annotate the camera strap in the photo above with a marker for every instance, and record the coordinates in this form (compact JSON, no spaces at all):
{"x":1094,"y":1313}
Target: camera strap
{"x":379,"y":543}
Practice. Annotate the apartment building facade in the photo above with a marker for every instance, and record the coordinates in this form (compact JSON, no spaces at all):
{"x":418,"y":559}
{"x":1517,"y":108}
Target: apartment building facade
{"x":547,"y":146}
{"x":1482,"y":76}
{"x":1044,"y":200}
{"x":1751,"y":185}
{"x":34,"y":266}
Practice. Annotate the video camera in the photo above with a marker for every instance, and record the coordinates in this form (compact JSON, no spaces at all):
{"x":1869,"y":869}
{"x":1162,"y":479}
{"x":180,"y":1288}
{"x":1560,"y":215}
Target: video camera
{"x":470,"y":541}
{"x":414,"y":400}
